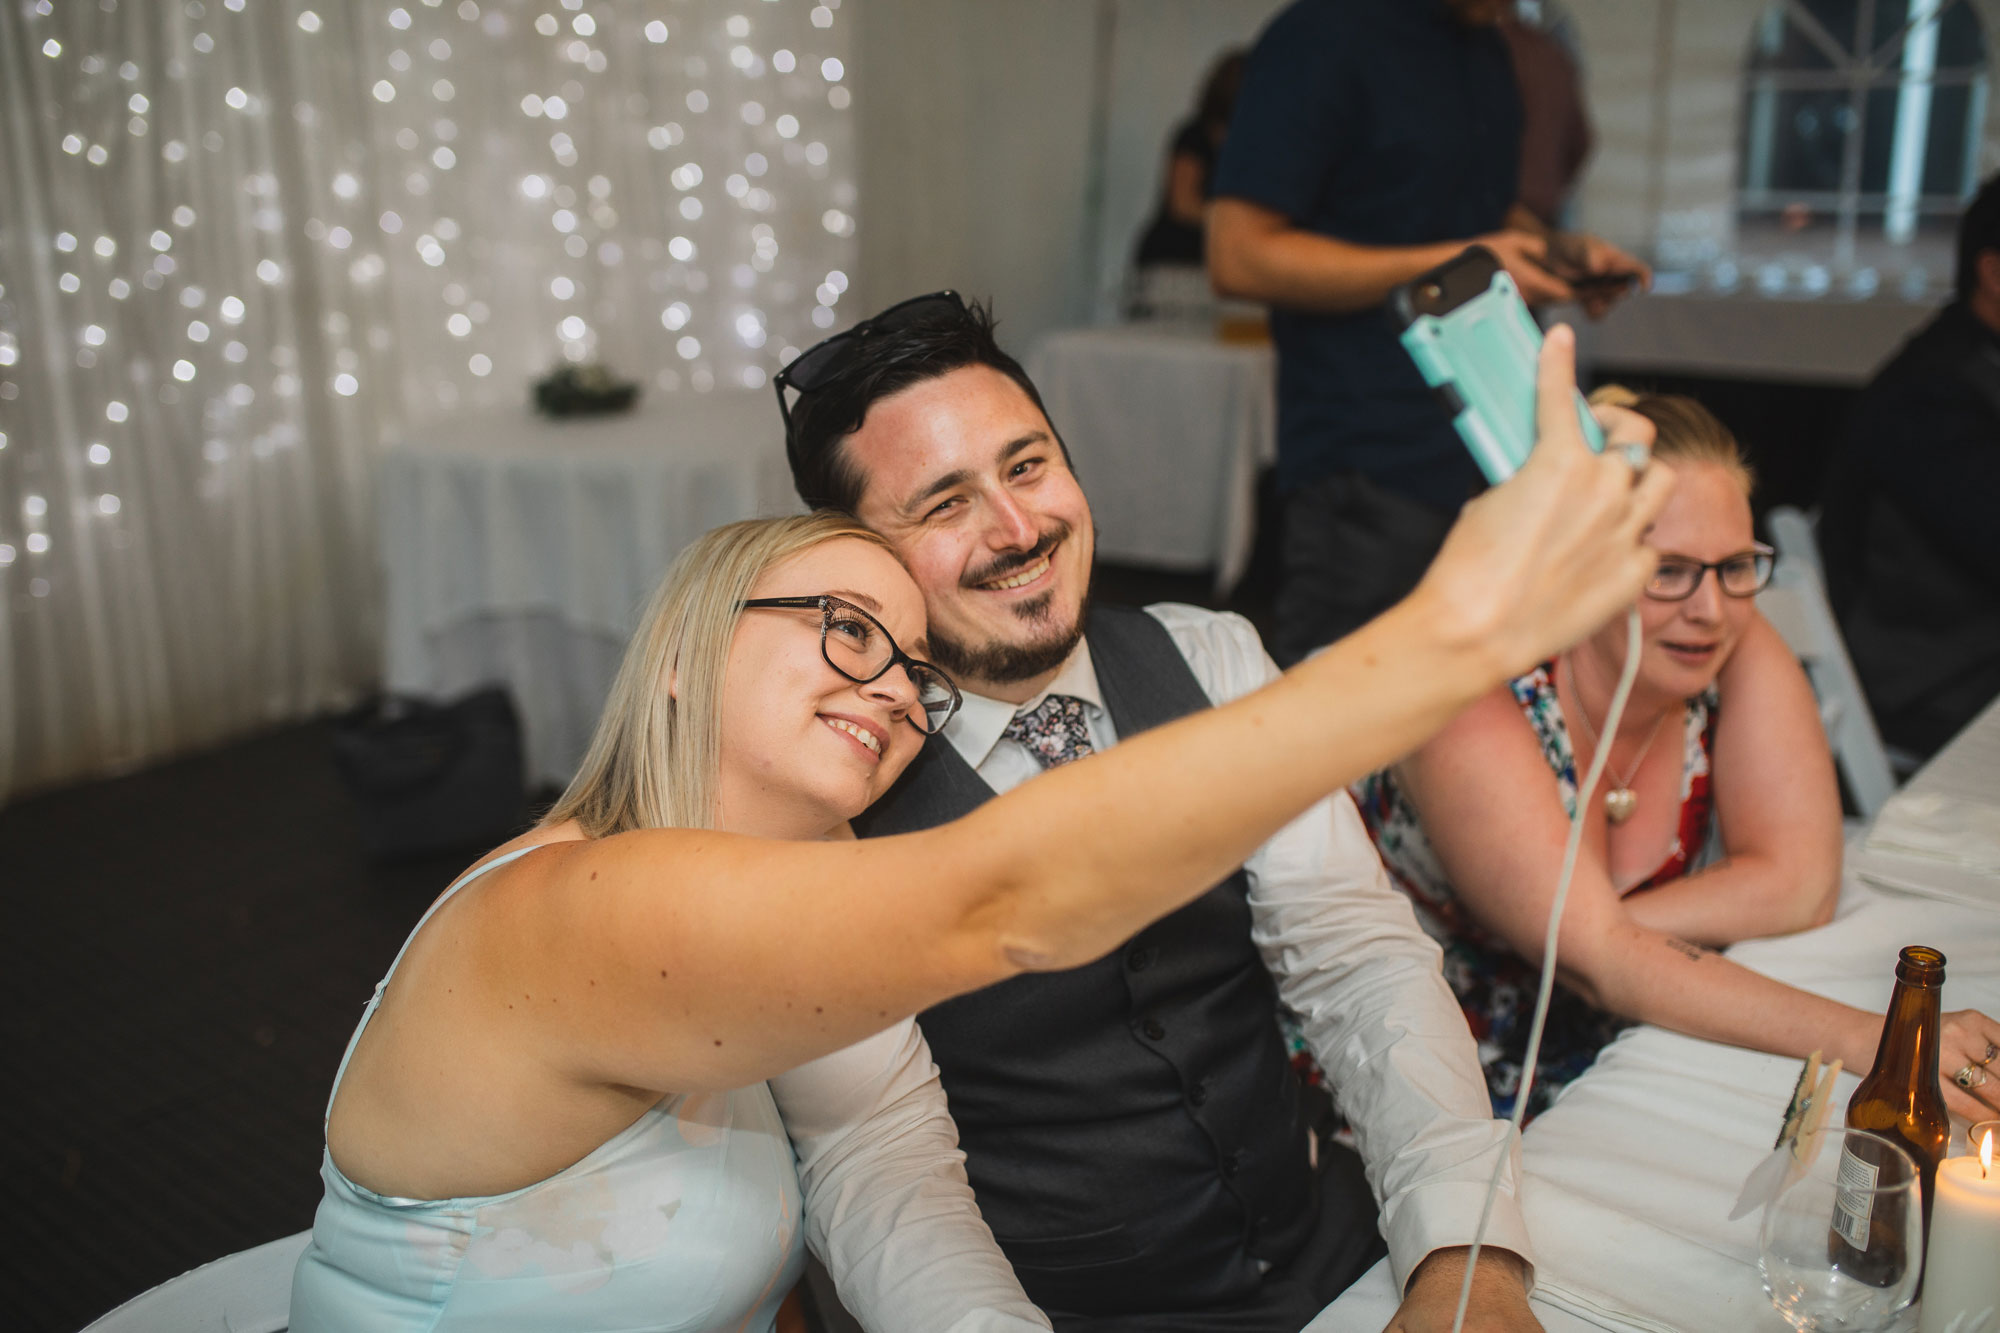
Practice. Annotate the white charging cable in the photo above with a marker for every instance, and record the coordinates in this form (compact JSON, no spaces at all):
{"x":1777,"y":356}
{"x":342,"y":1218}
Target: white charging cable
{"x":1608,"y":731}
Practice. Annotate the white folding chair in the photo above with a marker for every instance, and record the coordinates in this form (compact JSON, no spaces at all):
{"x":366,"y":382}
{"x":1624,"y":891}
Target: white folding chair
{"x":1796,"y":605}
{"x":250,"y":1292}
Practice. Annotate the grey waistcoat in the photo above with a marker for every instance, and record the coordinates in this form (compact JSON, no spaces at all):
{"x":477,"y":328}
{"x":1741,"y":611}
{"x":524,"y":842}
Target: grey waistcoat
{"x":1132,"y":1128}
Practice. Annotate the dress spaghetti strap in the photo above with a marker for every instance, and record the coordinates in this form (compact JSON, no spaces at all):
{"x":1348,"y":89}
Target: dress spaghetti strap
{"x":374,"y":1000}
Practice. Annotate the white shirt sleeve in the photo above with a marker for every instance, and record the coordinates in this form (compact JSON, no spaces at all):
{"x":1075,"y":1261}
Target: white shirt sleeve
{"x":1350,"y":959}
{"x":887,"y":1206}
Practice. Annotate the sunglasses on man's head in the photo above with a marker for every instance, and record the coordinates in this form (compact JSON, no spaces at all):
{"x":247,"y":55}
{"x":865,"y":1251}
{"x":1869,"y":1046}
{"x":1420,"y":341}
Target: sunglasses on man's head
{"x":826,"y":361}
{"x":855,"y":644}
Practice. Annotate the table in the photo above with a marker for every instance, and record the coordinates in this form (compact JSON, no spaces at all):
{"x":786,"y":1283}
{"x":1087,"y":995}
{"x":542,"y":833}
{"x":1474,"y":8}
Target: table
{"x":1630,"y":1177}
{"x":520,"y":550}
{"x":1941,"y":832}
{"x":1745,"y":336}
{"x":1168,"y":428}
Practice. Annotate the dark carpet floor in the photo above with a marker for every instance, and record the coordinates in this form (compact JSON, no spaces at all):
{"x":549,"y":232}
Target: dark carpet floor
{"x":186,"y":951}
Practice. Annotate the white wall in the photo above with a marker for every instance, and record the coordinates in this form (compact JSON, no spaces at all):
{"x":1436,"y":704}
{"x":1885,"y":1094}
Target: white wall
{"x":1664,"y":79}
{"x":1161,"y":52}
{"x":975,"y":129}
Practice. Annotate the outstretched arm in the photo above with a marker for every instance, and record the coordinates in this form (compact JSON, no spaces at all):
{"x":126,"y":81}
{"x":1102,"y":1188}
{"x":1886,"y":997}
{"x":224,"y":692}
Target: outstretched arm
{"x":583,"y":980}
{"x":672,"y":959}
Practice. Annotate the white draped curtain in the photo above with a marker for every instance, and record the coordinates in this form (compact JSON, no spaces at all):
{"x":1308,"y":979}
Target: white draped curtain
{"x":242,"y":241}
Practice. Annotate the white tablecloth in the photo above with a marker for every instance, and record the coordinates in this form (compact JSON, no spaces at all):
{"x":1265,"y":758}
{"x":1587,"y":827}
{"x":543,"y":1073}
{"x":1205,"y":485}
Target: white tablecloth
{"x":1632,"y":1174}
{"x":520,"y":550}
{"x":1941,"y":833}
{"x":1168,"y":429}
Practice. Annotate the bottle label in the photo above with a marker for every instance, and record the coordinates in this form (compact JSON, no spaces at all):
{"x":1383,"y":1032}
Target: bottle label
{"x":1854,"y":1199}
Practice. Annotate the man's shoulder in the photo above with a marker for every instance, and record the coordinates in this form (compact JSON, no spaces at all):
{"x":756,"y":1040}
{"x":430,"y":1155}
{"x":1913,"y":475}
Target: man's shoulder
{"x":1224,"y":650}
{"x":1940,"y":370}
{"x":1935,"y":351}
{"x":1184,"y":620}
{"x":1320,"y":29}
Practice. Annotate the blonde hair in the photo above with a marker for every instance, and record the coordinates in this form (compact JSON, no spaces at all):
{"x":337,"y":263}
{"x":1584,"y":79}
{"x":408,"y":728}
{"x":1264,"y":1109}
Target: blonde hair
{"x":654,"y":759}
{"x":1687,"y":431}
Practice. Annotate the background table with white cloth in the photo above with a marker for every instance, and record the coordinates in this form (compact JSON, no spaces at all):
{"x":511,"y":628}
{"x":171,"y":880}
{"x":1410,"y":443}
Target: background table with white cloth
{"x":519,"y":549}
{"x":1168,"y":428}
{"x":1630,"y":1176}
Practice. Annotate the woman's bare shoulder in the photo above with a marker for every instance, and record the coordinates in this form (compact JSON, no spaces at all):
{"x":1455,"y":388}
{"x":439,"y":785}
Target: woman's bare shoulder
{"x":1492,"y":724}
{"x":1490,"y":745}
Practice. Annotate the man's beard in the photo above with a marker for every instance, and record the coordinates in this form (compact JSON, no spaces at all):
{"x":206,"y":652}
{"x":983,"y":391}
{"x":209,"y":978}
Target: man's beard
{"x":1002,"y":661}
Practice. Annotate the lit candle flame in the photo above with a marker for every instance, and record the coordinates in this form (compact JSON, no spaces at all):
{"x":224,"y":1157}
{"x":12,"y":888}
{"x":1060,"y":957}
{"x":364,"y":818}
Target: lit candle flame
{"x":1985,"y":1154}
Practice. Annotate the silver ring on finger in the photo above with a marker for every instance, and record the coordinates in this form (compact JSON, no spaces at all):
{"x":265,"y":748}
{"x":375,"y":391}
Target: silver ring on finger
{"x":1987,"y":1059}
{"x":1637,"y":456}
{"x":1970,"y":1077}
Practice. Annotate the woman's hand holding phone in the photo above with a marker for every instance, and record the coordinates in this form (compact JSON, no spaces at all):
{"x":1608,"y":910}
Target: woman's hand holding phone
{"x":1544,"y":558}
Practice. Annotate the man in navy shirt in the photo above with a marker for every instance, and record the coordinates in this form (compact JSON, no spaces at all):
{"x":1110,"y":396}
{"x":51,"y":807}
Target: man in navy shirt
{"x":1373,"y":139}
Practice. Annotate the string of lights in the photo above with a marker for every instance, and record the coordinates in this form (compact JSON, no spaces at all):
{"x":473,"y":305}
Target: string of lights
{"x":242,"y":242}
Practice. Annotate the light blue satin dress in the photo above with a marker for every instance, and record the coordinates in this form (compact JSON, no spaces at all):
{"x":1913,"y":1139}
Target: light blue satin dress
{"x":686,"y":1222}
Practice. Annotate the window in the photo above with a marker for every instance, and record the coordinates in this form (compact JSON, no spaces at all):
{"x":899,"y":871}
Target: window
{"x":1861,"y":132}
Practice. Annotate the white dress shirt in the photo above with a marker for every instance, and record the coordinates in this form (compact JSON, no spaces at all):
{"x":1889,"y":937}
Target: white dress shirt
{"x":1349,"y":958}
{"x":887,"y":1206}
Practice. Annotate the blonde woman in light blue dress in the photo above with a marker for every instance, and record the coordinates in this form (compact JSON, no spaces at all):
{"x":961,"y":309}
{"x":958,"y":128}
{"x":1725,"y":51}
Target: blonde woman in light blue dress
{"x":562,"y":1107}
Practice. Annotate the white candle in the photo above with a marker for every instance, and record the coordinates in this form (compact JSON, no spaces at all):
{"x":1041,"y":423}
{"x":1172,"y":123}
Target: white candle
{"x":1962,"y":1266}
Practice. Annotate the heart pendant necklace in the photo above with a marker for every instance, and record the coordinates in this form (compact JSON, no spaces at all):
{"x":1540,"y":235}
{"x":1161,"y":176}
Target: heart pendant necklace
{"x":1621,"y":802}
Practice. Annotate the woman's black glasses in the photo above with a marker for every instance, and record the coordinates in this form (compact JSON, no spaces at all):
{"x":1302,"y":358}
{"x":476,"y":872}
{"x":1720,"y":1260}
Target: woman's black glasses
{"x":826,"y":361}
{"x":855,"y":644}
{"x":1741,"y":575}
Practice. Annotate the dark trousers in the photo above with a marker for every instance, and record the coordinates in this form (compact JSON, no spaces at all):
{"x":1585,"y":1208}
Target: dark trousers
{"x":1352,"y":550}
{"x":1342,"y":1246}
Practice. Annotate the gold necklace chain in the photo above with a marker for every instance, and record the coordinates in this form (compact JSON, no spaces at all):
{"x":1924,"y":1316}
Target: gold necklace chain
{"x":1620,"y":801}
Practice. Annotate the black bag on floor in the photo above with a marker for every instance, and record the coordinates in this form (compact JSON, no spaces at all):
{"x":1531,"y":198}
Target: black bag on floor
{"x":433,"y":777}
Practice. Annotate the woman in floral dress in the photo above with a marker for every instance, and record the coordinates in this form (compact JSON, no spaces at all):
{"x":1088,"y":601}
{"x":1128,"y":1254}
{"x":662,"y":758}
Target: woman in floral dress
{"x":1721,"y":735}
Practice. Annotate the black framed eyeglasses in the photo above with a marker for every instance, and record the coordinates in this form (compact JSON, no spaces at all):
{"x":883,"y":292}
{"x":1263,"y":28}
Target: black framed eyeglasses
{"x":1741,"y":575}
{"x":830,"y":358}
{"x":855,"y":644}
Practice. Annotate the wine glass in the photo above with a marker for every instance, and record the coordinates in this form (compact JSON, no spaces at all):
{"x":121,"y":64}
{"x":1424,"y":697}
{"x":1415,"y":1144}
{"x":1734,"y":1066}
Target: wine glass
{"x":1842,"y":1246}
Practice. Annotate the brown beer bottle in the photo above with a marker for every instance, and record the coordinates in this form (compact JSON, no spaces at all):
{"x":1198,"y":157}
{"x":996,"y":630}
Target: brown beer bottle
{"x":1900,"y":1098}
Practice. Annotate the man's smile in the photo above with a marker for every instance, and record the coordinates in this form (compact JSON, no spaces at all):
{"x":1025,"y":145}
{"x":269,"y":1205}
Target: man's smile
{"x":1020,"y":578}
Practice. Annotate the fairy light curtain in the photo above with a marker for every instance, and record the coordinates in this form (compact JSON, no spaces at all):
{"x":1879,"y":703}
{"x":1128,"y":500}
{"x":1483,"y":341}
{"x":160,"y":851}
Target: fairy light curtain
{"x":241,"y":240}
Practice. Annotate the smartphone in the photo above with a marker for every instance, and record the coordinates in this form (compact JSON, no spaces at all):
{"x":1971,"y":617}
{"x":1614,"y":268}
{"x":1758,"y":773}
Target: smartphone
{"x":1592,"y":283}
{"x":1476,"y":345}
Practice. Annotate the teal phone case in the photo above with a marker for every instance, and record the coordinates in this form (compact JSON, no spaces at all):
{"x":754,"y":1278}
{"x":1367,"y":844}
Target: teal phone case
{"x":1481,"y":358}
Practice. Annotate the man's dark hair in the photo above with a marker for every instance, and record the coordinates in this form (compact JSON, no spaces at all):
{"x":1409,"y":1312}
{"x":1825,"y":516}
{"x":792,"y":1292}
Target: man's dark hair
{"x":884,"y":362}
{"x":1978,"y":231}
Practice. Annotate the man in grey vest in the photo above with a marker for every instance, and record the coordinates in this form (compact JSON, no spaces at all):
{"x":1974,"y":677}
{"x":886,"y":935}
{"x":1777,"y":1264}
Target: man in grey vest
{"x":1134,"y":1132}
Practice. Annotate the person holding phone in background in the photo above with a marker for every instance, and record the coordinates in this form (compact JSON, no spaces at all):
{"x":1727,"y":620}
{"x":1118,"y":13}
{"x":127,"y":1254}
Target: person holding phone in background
{"x":1372,"y":140}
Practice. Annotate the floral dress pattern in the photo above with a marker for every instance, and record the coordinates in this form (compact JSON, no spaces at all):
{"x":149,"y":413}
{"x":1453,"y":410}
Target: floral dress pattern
{"x":1495,"y":985}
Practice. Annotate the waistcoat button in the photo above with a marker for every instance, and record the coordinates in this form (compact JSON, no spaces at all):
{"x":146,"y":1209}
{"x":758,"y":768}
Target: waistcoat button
{"x":1198,"y":1094}
{"x":1153,"y":1030}
{"x":1142,"y":958}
